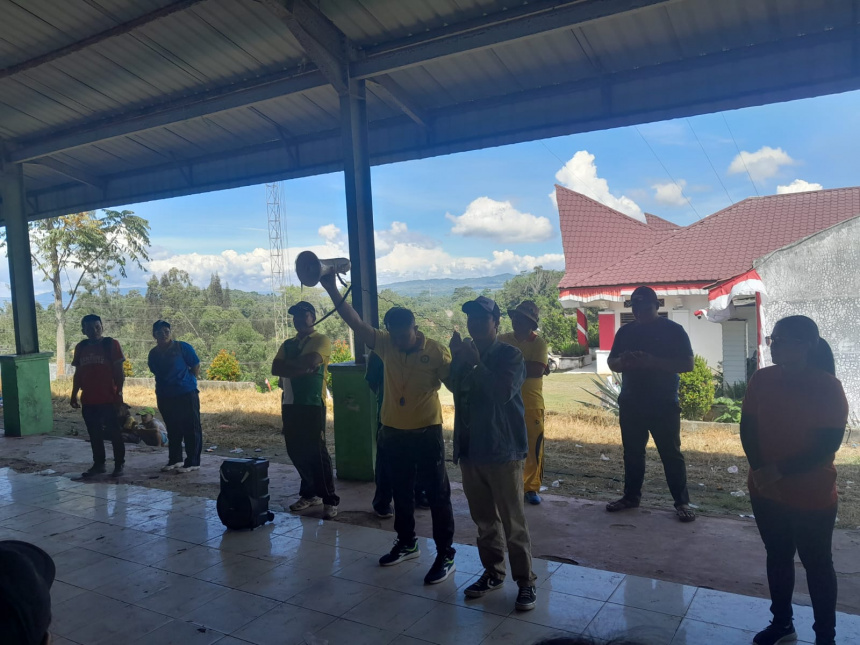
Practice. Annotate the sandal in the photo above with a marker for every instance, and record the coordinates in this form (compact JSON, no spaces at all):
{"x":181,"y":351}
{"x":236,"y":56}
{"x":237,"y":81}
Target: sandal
{"x":685,"y":513}
{"x":622,"y":504}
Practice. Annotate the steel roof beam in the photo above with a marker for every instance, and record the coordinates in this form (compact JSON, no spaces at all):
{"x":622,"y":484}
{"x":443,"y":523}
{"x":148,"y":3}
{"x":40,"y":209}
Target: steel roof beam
{"x":72,"y":172}
{"x":508,"y":26}
{"x":325,"y":44}
{"x":100,"y":37}
{"x":548,"y":16}
{"x":389,"y":91}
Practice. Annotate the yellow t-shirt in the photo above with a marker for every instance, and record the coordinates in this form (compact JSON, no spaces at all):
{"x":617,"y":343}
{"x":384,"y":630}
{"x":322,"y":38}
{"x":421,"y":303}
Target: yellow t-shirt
{"x":308,"y":389}
{"x":534,"y":350}
{"x":412,"y":381}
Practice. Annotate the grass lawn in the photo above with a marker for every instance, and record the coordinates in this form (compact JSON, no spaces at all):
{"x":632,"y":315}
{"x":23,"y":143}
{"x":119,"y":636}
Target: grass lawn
{"x":583,"y":447}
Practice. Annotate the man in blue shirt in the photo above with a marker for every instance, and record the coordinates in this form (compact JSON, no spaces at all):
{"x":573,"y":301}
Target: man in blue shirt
{"x":491,"y":444}
{"x":176,"y":366}
{"x":650,"y":352}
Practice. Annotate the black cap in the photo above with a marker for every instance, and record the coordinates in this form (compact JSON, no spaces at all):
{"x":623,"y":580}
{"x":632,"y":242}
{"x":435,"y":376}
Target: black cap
{"x":482,"y":304}
{"x":158,"y":324}
{"x":644,"y":294}
{"x":398,"y":317}
{"x":301,"y":308}
{"x":26,"y":576}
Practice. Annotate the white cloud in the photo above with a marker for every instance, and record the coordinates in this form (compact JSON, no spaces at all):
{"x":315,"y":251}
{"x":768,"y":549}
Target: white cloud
{"x":330,"y":233}
{"x":399,"y":233}
{"x":670,"y":194}
{"x":409,"y":262}
{"x":580,"y":174}
{"x":761,"y":164}
{"x":249,"y":271}
{"x":496,"y":220}
{"x":798,"y":186}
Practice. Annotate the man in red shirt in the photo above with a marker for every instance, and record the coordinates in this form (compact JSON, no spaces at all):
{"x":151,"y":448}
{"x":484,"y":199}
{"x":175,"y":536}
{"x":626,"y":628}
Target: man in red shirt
{"x":98,"y":372}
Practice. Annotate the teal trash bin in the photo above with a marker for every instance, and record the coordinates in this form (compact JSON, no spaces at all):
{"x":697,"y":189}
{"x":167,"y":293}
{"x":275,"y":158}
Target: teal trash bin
{"x":354,"y":422}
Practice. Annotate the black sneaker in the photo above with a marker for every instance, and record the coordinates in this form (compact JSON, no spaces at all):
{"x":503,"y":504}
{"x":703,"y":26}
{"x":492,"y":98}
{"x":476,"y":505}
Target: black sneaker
{"x":526,"y":598}
{"x":117,"y":470}
{"x":400,"y":552}
{"x":442,"y":568}
{"x":483,"y":586}
{"x":774,"y":634}
{"x":422,"y":501}
{"x":97,"y":469}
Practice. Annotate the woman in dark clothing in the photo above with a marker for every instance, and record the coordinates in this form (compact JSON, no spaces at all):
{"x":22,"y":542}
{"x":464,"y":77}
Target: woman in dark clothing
{"x":794,"y":418}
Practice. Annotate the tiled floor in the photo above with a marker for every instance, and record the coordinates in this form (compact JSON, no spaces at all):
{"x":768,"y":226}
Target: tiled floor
{"x":144,"y":566}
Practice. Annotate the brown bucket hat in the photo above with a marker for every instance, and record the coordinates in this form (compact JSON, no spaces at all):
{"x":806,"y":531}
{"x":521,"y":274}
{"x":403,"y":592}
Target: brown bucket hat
{"x":528,"y":309}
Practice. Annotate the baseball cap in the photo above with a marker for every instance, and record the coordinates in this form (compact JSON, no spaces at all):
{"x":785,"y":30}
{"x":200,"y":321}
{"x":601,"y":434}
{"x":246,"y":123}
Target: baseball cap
{"x":158,"y":324}
{"x":302,"y":307}
{"x":528,"y":309}
{"x":482,"y":304}
{"x":645,"y":294}
{"x":26,"y":576}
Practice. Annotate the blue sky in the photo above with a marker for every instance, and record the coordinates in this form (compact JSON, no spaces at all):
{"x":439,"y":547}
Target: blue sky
{"x":489,"y":211}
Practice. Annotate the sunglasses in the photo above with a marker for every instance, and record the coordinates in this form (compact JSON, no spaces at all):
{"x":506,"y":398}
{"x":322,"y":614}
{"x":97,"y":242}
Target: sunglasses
{"x":786,"y":340}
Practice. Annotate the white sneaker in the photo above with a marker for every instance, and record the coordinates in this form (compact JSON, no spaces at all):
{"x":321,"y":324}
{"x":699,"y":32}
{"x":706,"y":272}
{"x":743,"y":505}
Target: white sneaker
{"x":329,"y":512}
{"x":170,"y":467}
{"x":187,"y":469}
{"x":305,"y":502}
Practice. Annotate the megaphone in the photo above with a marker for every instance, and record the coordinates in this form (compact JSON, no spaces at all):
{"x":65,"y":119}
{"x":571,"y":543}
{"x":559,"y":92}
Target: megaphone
{"x":309,"y":268}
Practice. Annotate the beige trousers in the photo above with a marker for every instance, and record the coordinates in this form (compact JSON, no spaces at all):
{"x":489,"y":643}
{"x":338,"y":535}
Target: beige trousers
{"x":495,"y":496}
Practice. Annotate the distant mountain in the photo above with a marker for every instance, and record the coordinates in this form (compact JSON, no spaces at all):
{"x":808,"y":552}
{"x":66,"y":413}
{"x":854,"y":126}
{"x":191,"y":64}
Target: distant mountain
{"x":447,"y":286}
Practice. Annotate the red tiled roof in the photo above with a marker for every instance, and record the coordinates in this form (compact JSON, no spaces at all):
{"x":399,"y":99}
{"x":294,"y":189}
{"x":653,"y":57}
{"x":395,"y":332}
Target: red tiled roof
{"x":721,"y":245}
{"x":660,"y":224}
{"x":595,"y":236}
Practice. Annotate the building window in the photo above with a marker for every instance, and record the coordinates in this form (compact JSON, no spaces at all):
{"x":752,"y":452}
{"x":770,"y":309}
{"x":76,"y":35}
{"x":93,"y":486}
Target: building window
{"x":628,"y":317}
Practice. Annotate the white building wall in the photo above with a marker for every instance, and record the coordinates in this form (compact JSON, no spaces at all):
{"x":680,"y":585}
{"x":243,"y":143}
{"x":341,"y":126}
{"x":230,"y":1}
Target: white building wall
{"x":819,"y":277}
{"x":705,"y":337}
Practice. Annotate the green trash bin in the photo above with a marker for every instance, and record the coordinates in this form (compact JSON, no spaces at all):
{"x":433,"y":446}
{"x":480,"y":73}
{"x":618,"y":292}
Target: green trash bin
{"x":27,"y":405}
{"x":354,"y":422}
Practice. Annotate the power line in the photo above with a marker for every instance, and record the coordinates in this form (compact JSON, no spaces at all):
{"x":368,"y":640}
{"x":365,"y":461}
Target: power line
{"x":740,"y":155}
{"x":680,"y":188}
{"x":719,"y":179}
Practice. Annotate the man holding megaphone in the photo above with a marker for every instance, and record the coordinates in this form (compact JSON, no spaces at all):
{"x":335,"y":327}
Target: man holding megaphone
{"x":415,"y":367}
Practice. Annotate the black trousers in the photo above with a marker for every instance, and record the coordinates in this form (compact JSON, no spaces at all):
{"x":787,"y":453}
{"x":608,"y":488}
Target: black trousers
{"x":102,"y":423}
{"x":419,"y":455}
{"x":664,"y":424}
{"x":182,"y":418}
{"x":786,"y":531}
{"x":304,"y":434}
{"x":384,"y":493}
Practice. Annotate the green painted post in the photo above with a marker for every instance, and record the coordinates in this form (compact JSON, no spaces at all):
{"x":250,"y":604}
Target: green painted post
{"x":27,"y":406}
{"x":354,"y":422}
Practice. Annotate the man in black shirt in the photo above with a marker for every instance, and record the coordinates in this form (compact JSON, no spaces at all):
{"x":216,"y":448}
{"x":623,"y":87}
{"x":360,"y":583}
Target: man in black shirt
{"x":650,"y":352}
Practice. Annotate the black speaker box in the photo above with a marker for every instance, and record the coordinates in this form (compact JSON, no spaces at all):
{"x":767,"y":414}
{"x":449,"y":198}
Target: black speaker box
{"x":244,"y":499}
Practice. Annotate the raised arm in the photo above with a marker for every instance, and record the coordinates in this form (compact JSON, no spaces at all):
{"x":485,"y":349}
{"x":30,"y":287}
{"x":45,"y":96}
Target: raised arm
{"x":364,"y":333}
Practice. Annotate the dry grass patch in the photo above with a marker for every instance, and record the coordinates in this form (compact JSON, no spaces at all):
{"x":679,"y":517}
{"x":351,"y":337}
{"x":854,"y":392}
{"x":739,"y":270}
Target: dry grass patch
{"x":583,"y":449}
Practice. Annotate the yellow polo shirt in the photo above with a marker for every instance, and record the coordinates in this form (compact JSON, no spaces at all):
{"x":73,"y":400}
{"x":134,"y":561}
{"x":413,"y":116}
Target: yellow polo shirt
{"x":534,"y":350}
{"x":412,"y":381}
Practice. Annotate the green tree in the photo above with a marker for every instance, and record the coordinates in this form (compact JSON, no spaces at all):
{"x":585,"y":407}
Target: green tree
{"x":696,"y":391}
{"x":85,"y":251}
{"x":224,"y":367}
{"x":214,"y":292}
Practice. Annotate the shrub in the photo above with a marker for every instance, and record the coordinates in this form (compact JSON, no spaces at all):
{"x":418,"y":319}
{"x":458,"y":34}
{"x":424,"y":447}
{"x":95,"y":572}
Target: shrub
{"x":733,"y":410}
{"x":696,"y":392}
{"x":127,"y":368}
{"x":609,"y":393}
{"x":339,"y":354}
{"x":570,"y":349}
{"x":224,"y":367}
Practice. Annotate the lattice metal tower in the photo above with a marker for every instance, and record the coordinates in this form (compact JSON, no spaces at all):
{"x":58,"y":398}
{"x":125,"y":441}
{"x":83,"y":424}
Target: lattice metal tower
{"x":278,"y":257}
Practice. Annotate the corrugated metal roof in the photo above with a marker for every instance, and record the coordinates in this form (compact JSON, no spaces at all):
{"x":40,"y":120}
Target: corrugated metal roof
{"x":227,"y":76}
